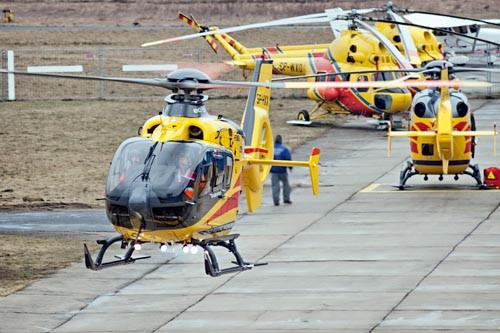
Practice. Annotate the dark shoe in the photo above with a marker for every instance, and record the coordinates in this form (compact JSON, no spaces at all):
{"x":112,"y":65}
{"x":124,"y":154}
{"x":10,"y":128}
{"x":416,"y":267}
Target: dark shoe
{"x":276,"y":203}
{"x":288,"y":202}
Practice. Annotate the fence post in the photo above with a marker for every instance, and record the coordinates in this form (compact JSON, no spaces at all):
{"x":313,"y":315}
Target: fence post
{"x":101,"y":72}
{"x":3,"y":85}
{"x":488,"y":74}
{"x":11,"y":82}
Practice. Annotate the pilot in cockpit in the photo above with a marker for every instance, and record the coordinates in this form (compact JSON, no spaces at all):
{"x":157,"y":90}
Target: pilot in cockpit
{"x":184,"y":167}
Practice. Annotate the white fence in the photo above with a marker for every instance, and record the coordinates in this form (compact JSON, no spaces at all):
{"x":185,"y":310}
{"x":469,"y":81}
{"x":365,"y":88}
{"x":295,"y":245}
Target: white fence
{"x":133,"y":62}
{"x":144,"y":63}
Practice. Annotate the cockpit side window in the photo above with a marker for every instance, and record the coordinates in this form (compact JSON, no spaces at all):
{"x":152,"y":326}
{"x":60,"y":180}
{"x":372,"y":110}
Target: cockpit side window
{"x":218,"y":169}
{"x":228,"y":171}
{"x":218,"y":172}
{"x":128,"y":163}
{"x":362,"y":78}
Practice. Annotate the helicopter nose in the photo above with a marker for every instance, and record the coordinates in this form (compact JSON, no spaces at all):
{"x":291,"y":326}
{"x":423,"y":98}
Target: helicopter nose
{"x":138,"y":203}
{"x":383,"y":101}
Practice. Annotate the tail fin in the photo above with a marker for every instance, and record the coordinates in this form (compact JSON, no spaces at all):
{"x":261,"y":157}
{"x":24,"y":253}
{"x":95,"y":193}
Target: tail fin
{"x":444,"y":123}
{"x":198,"y":28}
{"x":230,"y":45}
{"x":313,"y":170}
{"x":259,"y":143}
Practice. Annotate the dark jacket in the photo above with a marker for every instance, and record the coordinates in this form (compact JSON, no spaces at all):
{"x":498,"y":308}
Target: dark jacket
{"x":281,"y":152}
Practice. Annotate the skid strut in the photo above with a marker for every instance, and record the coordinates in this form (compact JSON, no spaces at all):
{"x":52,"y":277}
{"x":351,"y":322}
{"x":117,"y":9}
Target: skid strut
{"x":105,"y":244}
{"x":410,"y":171}
{"x":212,"y":266}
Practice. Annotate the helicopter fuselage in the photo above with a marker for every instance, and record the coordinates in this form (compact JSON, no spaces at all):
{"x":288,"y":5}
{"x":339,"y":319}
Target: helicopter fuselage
{"x":352,"y":51}
{"x":156,"y":200}
{"x":425,"y":151}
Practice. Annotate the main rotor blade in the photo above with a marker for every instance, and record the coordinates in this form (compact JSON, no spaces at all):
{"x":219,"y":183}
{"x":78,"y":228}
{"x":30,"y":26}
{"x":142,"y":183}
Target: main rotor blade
{"x":192,"y":84}
{"x":157,"y":82}
{"x":313,"y":18}
{"x":411,"y":52}
{"x":449,"y":15}
{"x":399,"y":83}
{"x":328,"y":16}
{"x":189,"y":84}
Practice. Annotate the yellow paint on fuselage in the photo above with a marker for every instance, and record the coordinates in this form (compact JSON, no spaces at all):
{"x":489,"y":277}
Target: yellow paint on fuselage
{"x":218,"y":133}
{"x":179,"y":235}
{"x":425,"y":149}
{"x":427,"y":46}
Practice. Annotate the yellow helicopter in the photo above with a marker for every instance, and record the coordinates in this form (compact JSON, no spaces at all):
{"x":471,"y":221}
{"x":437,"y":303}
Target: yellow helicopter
{"x":442,"y":131}
{"x":180,"y":180}
{"x":354,"y":50}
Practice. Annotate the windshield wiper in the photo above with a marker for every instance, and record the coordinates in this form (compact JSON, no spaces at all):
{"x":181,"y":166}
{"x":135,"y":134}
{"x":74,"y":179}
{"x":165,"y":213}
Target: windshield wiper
{"x":148,"y":161}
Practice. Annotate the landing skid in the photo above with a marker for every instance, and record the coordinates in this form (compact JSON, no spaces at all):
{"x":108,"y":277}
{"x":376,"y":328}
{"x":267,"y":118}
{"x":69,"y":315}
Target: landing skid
{"x":299,"y":122}
{"x":212,"y":266}
{"x":410,"y":171}
{"x":381,"y":124}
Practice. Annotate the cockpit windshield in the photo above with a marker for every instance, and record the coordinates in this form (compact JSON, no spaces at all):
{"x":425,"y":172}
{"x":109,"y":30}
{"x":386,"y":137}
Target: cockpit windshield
{"x":170,"y":167}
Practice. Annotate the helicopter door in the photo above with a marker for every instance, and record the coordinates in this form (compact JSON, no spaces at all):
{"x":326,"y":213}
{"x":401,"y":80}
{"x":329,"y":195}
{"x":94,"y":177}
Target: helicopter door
{"x":217,"y":173}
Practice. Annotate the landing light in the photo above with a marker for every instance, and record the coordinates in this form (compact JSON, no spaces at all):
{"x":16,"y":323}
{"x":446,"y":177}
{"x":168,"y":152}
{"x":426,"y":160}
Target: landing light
{"x":137,"y":247}
{"x":164,"y":248}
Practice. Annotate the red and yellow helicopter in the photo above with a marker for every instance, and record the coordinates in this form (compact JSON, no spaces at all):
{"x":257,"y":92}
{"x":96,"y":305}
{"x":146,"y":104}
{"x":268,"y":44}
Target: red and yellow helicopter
{"x":358,"y":48}
{"x":442,"y":131}
{"x":180,"y":180}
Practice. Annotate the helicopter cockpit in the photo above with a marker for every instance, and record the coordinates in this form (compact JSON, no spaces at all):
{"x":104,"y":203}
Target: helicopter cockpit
{"x":163,"y":181}
{"x":426,"y":103}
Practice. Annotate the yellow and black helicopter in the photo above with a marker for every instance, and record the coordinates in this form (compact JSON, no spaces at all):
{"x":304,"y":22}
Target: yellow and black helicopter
{"x":442,"y":129}
{"x":359,"y":47}
{"x":180,"y":180}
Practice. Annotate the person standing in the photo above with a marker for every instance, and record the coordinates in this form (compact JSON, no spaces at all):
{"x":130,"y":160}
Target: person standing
{"x":279,"y":174}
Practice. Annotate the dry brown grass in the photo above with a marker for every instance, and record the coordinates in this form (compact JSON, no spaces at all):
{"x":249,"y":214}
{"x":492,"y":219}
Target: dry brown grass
{"x":222,"y":12}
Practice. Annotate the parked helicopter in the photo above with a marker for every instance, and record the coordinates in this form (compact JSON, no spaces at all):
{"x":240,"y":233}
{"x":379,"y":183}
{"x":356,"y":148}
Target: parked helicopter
{"x":354,"y":50}
{"x":443,"y":131}
{"x":358,"y":47}
{"x":467,"y":27}
{"x":179,"y":181}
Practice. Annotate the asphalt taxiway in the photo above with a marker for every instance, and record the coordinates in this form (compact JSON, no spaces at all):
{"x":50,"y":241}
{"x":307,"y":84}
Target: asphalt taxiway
{"x":363,"y":256}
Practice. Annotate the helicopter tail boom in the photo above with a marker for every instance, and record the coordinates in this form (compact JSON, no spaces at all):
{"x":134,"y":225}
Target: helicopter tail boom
{"x":230,"y":45}
{"x":259,"y":141}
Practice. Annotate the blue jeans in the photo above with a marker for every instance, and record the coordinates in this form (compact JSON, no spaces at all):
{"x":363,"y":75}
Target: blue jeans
{"x":276,"y":178}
